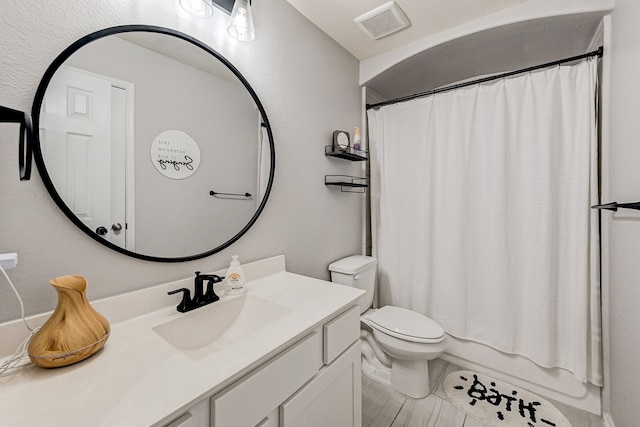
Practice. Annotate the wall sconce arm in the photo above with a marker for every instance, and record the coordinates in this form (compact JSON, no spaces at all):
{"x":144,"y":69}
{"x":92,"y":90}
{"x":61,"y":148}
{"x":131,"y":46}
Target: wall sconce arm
{"x":25,"y":148}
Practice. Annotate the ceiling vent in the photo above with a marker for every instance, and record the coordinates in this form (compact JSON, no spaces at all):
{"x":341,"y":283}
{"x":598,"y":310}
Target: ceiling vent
{"x":383,"y":20}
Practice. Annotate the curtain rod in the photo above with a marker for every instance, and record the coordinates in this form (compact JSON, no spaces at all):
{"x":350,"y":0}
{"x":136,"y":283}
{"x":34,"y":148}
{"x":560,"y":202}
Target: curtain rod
{"x":597,"y":53}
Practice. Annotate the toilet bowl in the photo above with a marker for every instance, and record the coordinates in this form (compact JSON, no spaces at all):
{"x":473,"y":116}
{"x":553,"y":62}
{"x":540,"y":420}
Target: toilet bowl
{"x":397,"y":343}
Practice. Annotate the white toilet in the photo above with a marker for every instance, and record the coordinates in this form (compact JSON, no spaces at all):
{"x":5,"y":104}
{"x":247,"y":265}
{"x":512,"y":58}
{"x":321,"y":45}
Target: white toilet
{"x":403,"y":341}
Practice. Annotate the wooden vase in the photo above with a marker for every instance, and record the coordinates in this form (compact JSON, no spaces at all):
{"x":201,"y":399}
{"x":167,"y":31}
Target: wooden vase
{"x":74,"y":332}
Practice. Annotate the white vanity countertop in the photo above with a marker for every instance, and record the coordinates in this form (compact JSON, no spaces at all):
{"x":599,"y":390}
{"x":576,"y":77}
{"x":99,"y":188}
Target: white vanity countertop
{"x":139,"y":379}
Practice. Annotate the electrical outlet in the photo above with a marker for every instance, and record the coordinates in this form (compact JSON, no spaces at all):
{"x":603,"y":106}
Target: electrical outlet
{"x":8,"y":261}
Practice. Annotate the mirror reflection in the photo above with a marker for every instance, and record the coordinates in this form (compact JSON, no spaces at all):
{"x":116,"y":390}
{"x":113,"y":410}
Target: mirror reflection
{"x":153,"y":145}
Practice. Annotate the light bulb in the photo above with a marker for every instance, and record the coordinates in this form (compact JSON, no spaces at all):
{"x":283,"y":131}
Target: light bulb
{"x":241,"y":22}
{"x":199,"y":8}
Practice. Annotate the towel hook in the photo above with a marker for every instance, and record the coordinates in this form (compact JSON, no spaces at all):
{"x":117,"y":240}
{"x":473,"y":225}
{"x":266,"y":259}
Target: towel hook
{"x":614,"y":206}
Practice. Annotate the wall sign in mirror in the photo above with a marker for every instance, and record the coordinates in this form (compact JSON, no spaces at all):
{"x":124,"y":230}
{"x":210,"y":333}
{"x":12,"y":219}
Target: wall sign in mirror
{"x":117,"y":95}
{"x":175,"y":154}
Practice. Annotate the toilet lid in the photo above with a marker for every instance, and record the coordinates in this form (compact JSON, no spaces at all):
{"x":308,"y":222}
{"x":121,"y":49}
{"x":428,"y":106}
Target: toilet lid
{"x":406,"y":324}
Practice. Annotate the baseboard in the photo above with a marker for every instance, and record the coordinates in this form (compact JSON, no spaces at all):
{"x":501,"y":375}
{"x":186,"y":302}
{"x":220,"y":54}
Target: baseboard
{"x":608,"y":421}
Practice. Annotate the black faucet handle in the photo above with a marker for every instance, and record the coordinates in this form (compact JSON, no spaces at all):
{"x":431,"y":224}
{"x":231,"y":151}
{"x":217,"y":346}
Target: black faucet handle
{"x":185,"y":304}
{"x":210,"y":295}
{"x":198,"y":293}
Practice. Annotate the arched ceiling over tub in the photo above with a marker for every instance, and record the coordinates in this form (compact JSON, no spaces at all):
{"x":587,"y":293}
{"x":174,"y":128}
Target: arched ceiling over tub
{"x":518,"y":13}
{"x":496,"y":50}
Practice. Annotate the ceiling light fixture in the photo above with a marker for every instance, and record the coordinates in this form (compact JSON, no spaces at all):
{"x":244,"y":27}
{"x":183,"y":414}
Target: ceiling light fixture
{"x":241,"y":22}
{"x":199,"y":8}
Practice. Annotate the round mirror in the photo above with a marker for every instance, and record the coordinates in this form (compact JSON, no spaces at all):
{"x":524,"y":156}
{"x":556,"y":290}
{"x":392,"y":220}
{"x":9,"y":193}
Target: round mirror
{"x":153,"y":143}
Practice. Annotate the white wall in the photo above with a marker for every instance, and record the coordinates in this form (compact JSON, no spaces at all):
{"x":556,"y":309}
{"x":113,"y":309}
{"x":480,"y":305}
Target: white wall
{"x":307,"y":84}
{"x":623,"y":185}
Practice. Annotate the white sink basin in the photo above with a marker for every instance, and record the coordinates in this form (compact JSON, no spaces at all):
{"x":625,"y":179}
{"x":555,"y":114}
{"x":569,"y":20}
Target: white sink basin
{"x":212,"y":327}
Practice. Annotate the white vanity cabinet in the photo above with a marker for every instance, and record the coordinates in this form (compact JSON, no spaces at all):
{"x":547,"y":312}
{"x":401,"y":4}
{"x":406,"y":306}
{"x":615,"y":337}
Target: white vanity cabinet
{"x":286,"y":355}
{"x":315,"y":382}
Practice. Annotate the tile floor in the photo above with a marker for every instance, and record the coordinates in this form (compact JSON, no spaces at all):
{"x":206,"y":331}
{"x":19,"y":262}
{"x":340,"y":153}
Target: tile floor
{"x":384,"y":407}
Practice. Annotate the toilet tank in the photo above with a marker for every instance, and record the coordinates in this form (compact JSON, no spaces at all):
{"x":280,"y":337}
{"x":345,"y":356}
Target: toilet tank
{"x":357,"y":271}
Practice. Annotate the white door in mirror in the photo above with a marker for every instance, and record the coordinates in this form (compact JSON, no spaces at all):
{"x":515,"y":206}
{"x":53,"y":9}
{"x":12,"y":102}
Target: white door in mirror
{"x":76,"y":133}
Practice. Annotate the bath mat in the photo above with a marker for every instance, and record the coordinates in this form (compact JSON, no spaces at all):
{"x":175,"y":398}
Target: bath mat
{"x":498,"y":403}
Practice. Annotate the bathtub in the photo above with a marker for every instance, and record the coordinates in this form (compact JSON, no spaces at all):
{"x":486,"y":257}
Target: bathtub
{"x":557,"y":384}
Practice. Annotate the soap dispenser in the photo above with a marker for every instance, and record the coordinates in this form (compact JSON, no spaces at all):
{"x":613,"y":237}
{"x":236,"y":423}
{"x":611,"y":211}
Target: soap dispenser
{"x":235,"y":280}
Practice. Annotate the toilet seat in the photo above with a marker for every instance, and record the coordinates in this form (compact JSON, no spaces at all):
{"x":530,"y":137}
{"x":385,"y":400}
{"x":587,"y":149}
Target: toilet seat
{"x":406,"y":325}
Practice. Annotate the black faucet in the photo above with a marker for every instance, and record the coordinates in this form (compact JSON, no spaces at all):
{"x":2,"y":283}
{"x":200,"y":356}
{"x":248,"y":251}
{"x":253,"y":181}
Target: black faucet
{"x":200,"y":297}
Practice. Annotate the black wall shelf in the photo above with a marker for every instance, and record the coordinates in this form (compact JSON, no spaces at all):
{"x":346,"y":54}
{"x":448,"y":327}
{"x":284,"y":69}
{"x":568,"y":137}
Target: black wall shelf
{"x":348,"y":153}
{"x":347,"y":184}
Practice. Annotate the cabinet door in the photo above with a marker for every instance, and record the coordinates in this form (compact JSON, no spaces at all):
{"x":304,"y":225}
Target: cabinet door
{"x":247,"y":402}
{"x":332,"y":398}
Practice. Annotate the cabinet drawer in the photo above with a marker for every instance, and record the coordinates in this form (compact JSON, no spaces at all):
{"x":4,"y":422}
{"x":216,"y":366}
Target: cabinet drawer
{"x":271,"y":420}
{"x":340,"y":333}
{"x":185,"y":420}
{"x":248,"y":401}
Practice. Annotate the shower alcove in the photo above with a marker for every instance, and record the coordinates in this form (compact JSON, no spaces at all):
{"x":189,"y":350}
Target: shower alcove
{"x":454,"y":57}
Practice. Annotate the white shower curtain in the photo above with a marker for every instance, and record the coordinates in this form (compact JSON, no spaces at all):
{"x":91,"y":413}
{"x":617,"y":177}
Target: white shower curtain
{"x":264,"y":163}
{"x":481,"y":214}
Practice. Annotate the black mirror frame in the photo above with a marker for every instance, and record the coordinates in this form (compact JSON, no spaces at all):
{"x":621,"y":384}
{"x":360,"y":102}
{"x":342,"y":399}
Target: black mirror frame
{"x":37,"y":150}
